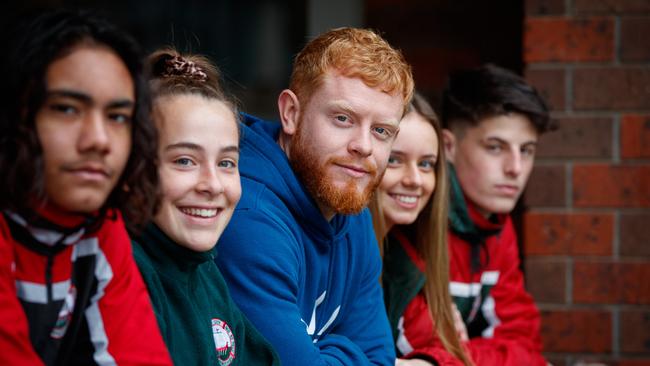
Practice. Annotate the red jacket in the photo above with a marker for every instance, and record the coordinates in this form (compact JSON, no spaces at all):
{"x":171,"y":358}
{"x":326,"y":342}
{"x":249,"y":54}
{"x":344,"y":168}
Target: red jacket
{"x":502,"y":321}
{"x":80,"y":301}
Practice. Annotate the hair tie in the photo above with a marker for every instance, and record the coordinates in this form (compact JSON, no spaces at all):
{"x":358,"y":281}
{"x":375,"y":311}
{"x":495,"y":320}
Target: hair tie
{"x":178,"y":66}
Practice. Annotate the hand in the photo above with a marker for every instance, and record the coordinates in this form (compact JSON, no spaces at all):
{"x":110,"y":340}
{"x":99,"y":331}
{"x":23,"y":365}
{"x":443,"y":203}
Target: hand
{"x":413,"y":362}
{"x":461,"y":330}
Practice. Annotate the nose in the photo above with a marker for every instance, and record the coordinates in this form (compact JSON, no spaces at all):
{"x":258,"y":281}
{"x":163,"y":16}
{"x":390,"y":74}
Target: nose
{"x":209,"y":181}
{"x":513,"y":164}
{"x":361,"y":143}
{"x":94,"y":134}
{"x":412,"y":176}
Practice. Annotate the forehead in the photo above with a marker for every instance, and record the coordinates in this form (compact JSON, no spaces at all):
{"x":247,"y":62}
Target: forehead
{"x":192,"y":116}
{"x":513,"y":128}
{"x":352,"y":93}
{"x":416,"y":136}
{"x":92,"y":69}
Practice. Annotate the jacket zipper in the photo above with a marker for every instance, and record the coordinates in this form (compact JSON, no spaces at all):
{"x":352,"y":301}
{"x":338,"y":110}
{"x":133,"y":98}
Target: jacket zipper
{"x":48,"y":277}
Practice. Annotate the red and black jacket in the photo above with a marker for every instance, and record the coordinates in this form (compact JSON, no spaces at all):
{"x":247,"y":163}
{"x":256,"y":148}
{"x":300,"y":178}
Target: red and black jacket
{"x":70,"y":293}
{"x":502,"y":320}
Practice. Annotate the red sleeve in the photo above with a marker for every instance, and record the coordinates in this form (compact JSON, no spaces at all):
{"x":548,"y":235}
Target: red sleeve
{"x":15,"y":345}
{"x":516,"y":339}
{"x":128,"y":318}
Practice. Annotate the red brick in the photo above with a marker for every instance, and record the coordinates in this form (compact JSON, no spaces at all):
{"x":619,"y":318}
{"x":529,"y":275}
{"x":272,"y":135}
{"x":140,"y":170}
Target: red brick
{"x":550,"y":84}
{"x":611,"y":186}
{"x":546,"y":279}
{"x":635,"y":234}
{"x":568,"y":234}
{"x":578,"y":138}
{"x":611,"y":6}
{"x":607,"y":282}
{"x":545,"y":7}
{"x":564,"y":39}
{"x":635,"y":136}
{"x":634,"y":40}
{"x":611,"y":88}
{"x":577,"y":331}
{"x":635,"y":337}
{"x":430,"y":63}
{"x":546,"y":186}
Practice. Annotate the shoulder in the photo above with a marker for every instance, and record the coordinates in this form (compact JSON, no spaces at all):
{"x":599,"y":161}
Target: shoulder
{"x":145,"y":265}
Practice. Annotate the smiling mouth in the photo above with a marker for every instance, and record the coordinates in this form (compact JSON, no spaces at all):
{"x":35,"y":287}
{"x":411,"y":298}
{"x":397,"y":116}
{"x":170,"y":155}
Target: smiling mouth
{"x":406,"y":201}
{"x":205,"y":213}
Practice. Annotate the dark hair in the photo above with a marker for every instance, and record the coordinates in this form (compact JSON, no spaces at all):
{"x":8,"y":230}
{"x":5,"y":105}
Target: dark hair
{"x":488,"y":91}
{"x":30,"y":45}
{"x":173,"y":73}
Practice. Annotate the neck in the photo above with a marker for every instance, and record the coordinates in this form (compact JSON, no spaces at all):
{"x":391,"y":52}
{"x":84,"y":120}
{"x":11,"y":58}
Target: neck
{"x":327,"y":212}
{"x":58,"y":215}
{"x":386,"y":229}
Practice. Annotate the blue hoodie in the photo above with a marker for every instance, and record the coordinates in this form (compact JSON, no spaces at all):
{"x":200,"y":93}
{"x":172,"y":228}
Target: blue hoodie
{"x":310,"y":286}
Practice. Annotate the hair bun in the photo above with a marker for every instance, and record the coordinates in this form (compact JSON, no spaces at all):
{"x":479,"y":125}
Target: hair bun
{"x":169,"y":65}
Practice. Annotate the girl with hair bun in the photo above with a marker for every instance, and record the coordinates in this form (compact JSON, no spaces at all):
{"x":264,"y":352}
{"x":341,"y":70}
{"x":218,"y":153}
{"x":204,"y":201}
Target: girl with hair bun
{"x":198,"y":156}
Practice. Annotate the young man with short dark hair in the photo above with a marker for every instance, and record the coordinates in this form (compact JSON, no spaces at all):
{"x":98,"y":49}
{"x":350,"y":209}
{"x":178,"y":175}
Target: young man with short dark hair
{"x":492,"y":121}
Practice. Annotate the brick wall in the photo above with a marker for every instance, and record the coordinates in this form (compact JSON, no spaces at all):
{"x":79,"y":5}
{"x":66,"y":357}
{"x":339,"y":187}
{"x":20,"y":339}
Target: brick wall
{"x":586,"y":233}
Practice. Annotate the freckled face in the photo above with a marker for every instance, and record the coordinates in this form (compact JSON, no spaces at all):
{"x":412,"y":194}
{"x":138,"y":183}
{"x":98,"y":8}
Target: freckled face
{"x":343,"y":140}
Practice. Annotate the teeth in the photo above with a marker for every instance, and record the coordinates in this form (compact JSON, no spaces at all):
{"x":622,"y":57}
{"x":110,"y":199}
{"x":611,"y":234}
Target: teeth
{"x":201,"y":212}
{"x":406,"y":199}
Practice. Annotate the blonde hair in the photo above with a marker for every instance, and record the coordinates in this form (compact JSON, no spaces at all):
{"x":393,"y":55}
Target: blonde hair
{"x":430,"y":229}
{"x":356,"y":53}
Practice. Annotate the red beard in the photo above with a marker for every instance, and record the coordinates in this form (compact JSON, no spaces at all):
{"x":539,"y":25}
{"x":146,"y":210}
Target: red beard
{"x":342,"y":200}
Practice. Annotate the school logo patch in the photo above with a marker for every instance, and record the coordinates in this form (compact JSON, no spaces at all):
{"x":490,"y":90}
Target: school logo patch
{"x":224,"y":342}
{"x":65,"y":314}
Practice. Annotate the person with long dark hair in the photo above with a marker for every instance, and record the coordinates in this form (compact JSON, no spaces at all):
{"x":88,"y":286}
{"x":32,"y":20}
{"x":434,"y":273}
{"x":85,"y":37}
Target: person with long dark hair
{"x":76,"y":153}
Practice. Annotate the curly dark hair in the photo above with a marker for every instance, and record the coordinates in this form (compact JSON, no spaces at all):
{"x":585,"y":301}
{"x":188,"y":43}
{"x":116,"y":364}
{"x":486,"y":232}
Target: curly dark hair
{"x":30,"y":44}
{"x":488,"y":91}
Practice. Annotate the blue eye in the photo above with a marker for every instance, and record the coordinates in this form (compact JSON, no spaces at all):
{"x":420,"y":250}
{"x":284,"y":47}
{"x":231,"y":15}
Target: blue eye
{"x":184,"y":162}
{"x":228,"y":164}
{"x":341,"y":118}
{"x":392,"y":160}
{"x":427,"y":164}
{"x":383,"y":132}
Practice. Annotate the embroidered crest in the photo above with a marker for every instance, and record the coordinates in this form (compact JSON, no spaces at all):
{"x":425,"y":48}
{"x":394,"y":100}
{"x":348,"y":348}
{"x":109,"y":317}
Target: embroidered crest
{"x":65,"y":314}
{"x":224,"y":342}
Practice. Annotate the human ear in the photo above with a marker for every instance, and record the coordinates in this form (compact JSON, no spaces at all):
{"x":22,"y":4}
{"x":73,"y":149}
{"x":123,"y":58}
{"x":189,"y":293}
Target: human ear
{"x":449,"y":141}
{"x":289,"y":109}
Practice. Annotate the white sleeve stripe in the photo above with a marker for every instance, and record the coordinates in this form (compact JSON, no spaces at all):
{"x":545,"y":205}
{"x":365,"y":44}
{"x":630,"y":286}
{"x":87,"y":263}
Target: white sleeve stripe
{"x":489,"y":313}
{"x":402,"y":343}
{"x":98,"y":337}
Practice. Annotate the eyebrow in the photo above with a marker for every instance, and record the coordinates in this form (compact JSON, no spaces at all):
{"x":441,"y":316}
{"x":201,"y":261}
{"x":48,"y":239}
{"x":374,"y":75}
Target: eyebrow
{"x":424,"y":156}
{"x":344,"y":106}
{"x":197,"y":147}
{"x":87,"y":99}
{"x":231,"y":148}
{"x":183,"y":145}
{"x":502,"y":141}
{"x":348,"y":109}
